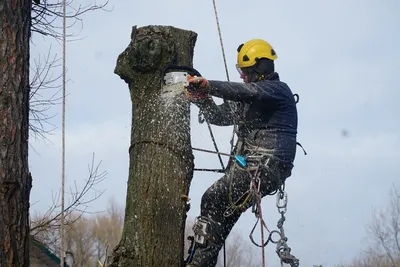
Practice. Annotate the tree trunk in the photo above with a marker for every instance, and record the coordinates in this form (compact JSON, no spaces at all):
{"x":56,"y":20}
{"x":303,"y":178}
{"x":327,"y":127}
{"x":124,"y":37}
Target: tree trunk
{"x":161,"y":159}
{"x":15,"y":179}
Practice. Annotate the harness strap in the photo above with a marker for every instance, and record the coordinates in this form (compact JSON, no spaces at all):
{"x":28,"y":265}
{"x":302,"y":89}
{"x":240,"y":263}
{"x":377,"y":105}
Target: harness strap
{"x":297,"y":143}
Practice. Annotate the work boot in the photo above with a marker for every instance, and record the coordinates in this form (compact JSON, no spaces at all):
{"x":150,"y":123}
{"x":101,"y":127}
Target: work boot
{"x":208,"y":242}
{"x":205,"y":257}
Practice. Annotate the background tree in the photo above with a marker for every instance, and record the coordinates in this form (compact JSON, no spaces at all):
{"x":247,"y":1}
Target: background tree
{"x":89,"y":237}
{"x":18,"y":19}
{"x":239,"y":252}
{"x":15,"y":179}
{"x":384,"y":230}
{"x":384,"y":233}
{"x":45,"y":81}
{"x":44,"y":226}
{"x":80,"y":239}
{"x":108,"y":230}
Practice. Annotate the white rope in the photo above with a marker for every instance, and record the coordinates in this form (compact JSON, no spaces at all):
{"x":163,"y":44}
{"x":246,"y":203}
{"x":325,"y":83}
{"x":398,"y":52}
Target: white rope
{"x":220,"y":39}
{"x":234,"y":128}
{"x":62,"y":230}
{"x":234,"y":110}
{"x":227,"y":77}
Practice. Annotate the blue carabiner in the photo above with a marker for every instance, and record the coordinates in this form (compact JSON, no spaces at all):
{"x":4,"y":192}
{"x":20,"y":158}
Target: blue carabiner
{"x":241,"y":160}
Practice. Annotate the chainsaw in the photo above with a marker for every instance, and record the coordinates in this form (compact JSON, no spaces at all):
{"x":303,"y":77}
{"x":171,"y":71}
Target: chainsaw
{"x":175,"y":74}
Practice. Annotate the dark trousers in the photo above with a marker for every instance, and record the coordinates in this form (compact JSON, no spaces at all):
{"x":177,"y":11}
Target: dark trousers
{"x":216,"y":200}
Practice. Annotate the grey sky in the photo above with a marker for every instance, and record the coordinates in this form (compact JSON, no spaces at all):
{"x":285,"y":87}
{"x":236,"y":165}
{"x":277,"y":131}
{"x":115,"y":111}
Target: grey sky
{"x":341,"y":57}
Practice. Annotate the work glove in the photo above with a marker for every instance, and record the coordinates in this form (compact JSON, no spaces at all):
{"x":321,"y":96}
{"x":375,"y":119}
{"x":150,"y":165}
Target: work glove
{"x":197,"y":90}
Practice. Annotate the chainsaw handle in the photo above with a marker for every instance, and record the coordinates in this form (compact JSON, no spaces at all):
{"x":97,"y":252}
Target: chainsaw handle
{"x":190,"y":70}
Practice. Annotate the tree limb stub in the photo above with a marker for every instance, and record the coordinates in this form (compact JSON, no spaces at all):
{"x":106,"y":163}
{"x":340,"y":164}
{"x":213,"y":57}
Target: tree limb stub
{"x":161,"y":159}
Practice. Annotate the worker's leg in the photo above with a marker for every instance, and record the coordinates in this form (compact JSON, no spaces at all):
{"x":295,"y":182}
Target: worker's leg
{"x":213,"y":205}
{"x":215,"y":202}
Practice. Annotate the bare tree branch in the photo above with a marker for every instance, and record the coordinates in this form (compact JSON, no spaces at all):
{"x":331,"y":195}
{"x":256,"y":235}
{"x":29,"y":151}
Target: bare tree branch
{"x":88,"y":237}
{"x":47,"y":21}
{"x":42,"y":81}
{"x":46,"y":16}
{"x":78,"y":202}
{"x":384,"y":229}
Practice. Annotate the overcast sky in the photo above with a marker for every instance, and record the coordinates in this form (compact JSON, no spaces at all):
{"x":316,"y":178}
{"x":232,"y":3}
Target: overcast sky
{"x":342,"y":58}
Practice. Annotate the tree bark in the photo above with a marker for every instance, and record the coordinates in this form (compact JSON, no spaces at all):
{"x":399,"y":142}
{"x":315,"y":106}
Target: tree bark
{"x":161,"y":159}
{"x":15,"y":179}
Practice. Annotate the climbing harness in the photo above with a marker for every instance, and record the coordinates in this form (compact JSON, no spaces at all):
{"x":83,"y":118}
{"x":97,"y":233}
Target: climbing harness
{"x":254,"y":166}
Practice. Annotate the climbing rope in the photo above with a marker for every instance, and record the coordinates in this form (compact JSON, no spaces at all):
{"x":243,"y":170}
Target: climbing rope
{"x":62,"y":224}
{"x":234,"y":109}
{"x":220,"y":40}
{"x":227,"y":77}
{"x":253,"y":168}
{"x":226,"y":69}
{"x":255,"y":185}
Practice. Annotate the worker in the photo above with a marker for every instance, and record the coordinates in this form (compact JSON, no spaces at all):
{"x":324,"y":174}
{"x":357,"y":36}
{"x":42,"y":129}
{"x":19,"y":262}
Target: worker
{"x":264,"y":110}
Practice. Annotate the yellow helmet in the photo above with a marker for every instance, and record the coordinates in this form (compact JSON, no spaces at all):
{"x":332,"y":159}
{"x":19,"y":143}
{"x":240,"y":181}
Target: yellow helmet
{"x":252,"y":50}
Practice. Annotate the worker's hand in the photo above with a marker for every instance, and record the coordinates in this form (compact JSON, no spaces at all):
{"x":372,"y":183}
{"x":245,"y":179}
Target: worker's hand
{"x":197,"y":89}
{"x":198,"y":82}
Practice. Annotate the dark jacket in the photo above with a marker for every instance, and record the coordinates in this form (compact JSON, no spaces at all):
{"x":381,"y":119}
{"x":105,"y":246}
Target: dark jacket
{"x":265,"y":113}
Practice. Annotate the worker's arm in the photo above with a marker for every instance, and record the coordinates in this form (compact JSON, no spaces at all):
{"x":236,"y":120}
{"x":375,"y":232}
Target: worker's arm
{"x":241,"y":92}
{"x":237,"y":91}
{"x":220,"y":115}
